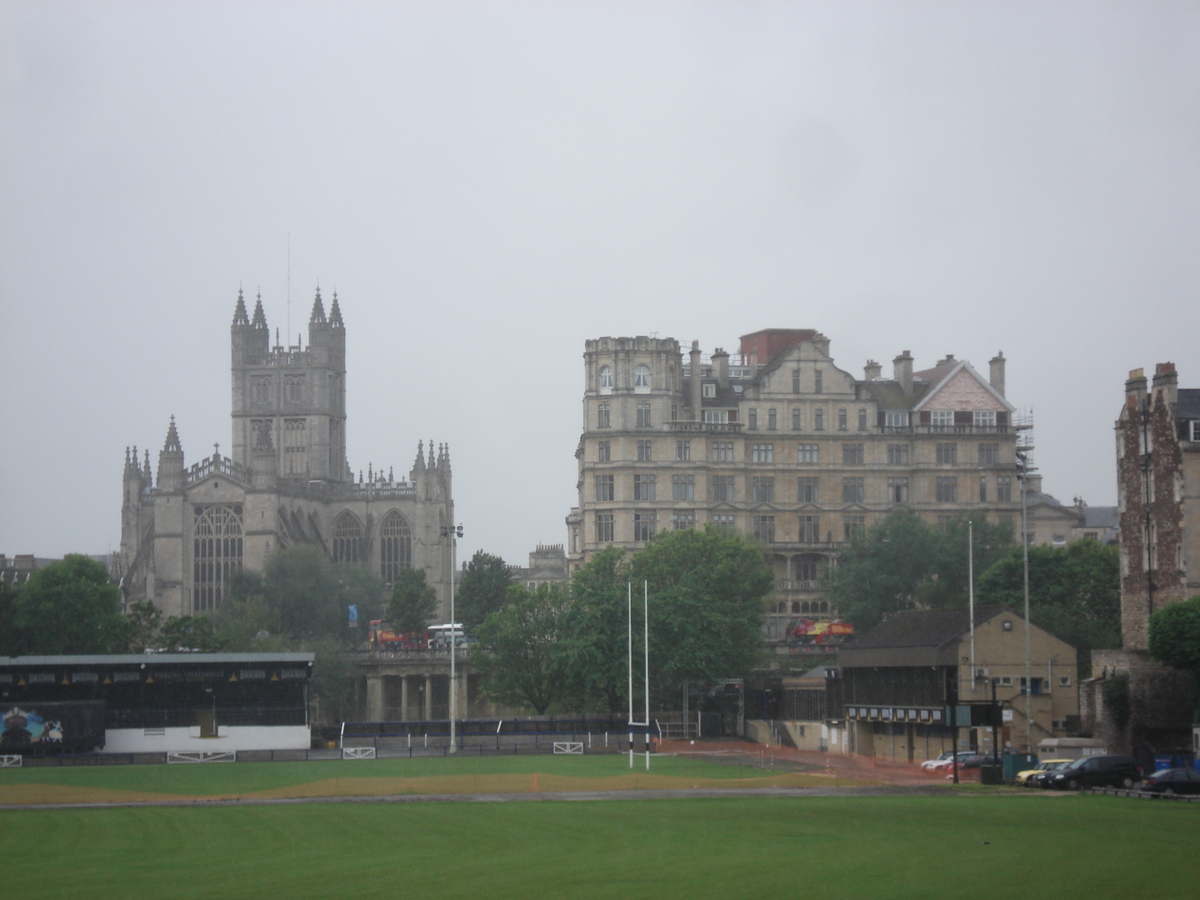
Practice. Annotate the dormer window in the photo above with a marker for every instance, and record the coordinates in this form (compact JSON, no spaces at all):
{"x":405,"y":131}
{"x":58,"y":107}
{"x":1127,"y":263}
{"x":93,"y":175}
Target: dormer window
{"x":641,"y":378}
{"x":985,"y":418}
{"x":606,"y":378}
{"x":942,"y":418}
{"x":1195,"y":430}
{"x":710,"y":390}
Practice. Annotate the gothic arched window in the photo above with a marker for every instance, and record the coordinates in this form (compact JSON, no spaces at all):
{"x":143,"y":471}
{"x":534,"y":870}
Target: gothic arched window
{"x":347,"y":539}
{"x":216,"y":553}
{"x":395,"y":547}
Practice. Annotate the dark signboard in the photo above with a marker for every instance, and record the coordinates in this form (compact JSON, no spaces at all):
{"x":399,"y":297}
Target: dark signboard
{"x":35,"y":727}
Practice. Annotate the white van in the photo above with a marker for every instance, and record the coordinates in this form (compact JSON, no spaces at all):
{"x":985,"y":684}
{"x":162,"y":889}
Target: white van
{"x":1070,"y":748}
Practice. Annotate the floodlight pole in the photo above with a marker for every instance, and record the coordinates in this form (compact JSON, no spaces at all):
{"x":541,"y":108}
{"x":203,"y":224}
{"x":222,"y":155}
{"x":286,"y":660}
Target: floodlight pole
{"x":645,"y":665}
{"x":1023,"y":462}
{"x":453,"y":532}
{"x":646,"y":660}
{"x":971,"y":594}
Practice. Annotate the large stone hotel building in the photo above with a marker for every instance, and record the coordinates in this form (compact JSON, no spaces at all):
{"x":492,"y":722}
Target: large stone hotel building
{"x":781,"y":444}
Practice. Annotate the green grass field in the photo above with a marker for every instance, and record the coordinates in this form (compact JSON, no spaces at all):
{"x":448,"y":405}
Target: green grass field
{"x":436,"y":775}
{"x":956,"y":845}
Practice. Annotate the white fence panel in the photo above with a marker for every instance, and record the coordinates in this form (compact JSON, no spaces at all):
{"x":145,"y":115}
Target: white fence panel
{"x":568,"y":746}
{"x":201,"y":756}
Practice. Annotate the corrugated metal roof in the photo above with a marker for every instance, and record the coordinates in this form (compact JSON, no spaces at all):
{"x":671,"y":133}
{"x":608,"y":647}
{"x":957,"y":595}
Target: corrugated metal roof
{"x":158,"y":659}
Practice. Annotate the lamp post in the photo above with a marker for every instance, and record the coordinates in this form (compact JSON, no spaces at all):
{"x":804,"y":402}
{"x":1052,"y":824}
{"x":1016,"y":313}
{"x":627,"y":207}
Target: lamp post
{"x":453,"y":532}
{"x":1024,"y":467}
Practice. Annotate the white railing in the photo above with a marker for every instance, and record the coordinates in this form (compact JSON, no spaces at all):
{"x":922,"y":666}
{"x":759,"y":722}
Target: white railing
{"x":201,"y":756}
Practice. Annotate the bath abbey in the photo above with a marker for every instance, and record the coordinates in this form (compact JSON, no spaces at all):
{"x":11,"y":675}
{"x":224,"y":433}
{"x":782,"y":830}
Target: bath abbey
{"x":186,"y":530}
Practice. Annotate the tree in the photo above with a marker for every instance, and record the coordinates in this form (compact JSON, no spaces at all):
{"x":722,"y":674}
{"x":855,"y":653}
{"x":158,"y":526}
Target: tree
{"x":1074,"y":592}
{"x":299,"y":584}
{"x":482,"y":590}
{"x":190,"y":633}
{"x":948,"y":584}
{"x":707,"y":590}
{"x":333,"y":677}
{"x":10,"y":641}
{"x":1174,"y":636}
{"x":413,"y":603}
{"x":69,"y":607}
{"x":518,"y":654}
{"x":595,"y":648}
{"x":903,"y":563}
{"x":141,"y":622}
{"x":363,"y":589}
{"x":883,"y":572}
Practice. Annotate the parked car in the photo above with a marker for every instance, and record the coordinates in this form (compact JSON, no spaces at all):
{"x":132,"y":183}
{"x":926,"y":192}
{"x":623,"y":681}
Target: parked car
{"x":966,"y":760}
{"x":931,"y":765}
{"x":1172,"y":781}
{"x":1095,"y":771}
{"x":1025,"y":777}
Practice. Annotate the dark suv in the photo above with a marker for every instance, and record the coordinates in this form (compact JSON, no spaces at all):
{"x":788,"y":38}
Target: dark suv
{"x":1095,"y":771}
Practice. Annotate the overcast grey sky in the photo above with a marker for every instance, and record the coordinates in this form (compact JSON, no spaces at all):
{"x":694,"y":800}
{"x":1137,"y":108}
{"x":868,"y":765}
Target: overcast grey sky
{"x":489,"y":184}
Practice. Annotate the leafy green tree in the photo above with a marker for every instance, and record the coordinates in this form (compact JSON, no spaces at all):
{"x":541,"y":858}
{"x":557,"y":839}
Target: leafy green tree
{"x":947,"y":585}
{"x":69,"y":607}
{"x":413,"y":603}
{"x":884,"y":572}
{"x":482,"y":590}
{"x":142,"y":620}
{"x":299,"y":584}
{"x":10,"y":642}
{"x":902,"y":563}
{"x":595,"y":648}
{"x":333,"y":677}
{"x":190,"y":633}
{"x":707,"y":590}
{"x":247,"y":622}
{"x":358,"y":586}
{"x":1174,"y":638}
{"x":518,"y":654}
{"x":1074,"y":592}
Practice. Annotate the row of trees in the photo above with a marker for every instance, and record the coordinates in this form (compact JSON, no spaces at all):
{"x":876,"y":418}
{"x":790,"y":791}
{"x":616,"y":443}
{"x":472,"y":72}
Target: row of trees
{"x":566,"y":646}
{"x":903,"y":563}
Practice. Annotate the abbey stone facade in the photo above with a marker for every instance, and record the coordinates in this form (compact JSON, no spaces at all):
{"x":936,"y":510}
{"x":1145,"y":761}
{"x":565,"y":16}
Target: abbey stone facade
{"x":186,"y":532}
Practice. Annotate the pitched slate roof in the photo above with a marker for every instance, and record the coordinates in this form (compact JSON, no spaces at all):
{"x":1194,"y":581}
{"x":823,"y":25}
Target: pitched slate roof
{"x":1101,"y":517}
{"x":1188,"y":406}
{"x":918,"y":637}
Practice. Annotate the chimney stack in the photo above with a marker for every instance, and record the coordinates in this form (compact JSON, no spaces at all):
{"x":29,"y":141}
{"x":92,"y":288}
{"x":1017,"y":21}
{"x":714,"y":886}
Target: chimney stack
{"x":1166,"y":380}
{"x":1135,"y":388}
{"x":872,"y":370}
{"x":694,"y":362}
{"x":997,"y":379}
{"x":720,"y":363}
{"x":903,"y":371}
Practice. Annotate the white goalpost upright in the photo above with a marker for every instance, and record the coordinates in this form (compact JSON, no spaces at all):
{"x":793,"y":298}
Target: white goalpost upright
{"x":645,"y":668}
